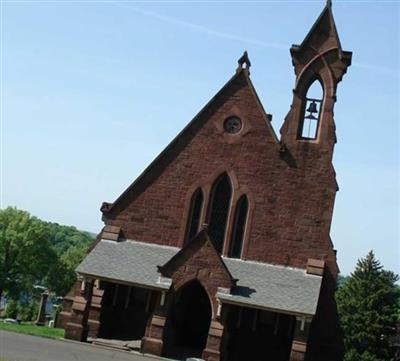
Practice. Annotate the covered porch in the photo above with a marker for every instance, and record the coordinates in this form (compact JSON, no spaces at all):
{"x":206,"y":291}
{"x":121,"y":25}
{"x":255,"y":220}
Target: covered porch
{"x":109,"y":313}
{"x":253,"y":334}
{"x":125,"y":311}
{"x":189,"y":307}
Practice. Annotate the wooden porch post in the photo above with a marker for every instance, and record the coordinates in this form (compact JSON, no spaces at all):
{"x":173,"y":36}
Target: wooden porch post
{"x":300,"y":339}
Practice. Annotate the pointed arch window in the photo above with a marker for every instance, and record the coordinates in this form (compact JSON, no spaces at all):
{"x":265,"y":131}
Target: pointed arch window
{"x":239,"y":227}
{"x":218,"y":215}
{"x":311,"y":111}
{"x":196,"y":205}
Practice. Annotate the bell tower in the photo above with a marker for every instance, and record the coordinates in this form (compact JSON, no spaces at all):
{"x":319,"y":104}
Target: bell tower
{"x":319,"y":64}
{"x":308,"y":137}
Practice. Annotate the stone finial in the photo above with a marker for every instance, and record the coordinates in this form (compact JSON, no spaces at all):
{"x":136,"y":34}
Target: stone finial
{"x":105,"y":207}
{"x":243,"y":62}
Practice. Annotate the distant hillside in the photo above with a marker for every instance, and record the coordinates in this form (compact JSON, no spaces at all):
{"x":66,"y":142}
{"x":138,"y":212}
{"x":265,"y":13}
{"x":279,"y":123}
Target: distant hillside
{"x":64,"y":237}
{"x":91,"y":234}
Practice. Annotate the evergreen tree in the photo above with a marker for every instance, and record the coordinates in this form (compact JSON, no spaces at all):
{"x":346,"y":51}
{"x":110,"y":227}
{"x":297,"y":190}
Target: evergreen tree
{"x":368,"y":305}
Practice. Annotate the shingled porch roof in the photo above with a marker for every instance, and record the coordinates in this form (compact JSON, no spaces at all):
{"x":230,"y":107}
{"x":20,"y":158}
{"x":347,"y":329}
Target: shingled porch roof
{"x":260,"y":285}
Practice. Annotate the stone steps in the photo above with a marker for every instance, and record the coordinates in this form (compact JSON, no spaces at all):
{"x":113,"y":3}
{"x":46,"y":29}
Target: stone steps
{"x":118,"y":344}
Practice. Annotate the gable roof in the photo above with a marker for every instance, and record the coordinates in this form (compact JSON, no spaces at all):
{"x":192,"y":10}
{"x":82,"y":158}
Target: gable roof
{"x":201,"y":239}
{"x":127,"y":262}
{"x":240,"y":79}
{"x":271,"y":287}
{"x":324,"y":24}
{"x":260,"y":285}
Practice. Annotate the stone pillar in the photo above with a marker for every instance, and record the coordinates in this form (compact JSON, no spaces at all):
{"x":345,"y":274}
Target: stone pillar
{"x":41,"y":318}
{"x":152,"y":342}
{"x":67,"y":302}
{"x":77,"y":327}
{"x":95,"y":312}
{"x":300,"y":339}
{"x":212,"y":352}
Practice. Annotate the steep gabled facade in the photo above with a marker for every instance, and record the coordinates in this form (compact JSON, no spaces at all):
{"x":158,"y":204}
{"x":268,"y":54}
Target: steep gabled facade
{"x":221,"y":247}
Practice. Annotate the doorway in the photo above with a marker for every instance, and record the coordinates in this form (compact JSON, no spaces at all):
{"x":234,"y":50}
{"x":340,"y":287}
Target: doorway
{"x":188,"y":322}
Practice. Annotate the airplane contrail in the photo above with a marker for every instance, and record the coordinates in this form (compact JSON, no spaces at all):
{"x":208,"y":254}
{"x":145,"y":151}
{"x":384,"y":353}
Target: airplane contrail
{"x":393,"y":72}
{"x":203,"y":29}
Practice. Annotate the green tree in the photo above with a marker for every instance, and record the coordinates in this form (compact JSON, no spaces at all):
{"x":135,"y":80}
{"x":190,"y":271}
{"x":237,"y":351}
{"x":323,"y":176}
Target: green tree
{"x":62,"y":276}
{"x":26,"y":254}
{"x":28,"y":311}
{"x":33,"y":251}
{"x":12,"y":309}
{"x":368,"y":305}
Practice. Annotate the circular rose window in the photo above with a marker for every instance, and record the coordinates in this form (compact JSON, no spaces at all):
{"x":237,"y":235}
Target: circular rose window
{"x":232,"y":125}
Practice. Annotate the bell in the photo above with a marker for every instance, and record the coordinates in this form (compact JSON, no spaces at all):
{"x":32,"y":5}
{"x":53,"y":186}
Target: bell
{"x":312,"y":108}
{"x":310,"y":116}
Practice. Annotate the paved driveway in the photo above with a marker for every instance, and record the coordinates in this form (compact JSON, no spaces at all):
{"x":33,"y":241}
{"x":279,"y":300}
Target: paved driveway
{"x":19,"y":347}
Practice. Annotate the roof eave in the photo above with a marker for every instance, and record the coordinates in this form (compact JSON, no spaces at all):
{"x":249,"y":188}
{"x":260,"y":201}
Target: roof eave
{"x":224,"y":298}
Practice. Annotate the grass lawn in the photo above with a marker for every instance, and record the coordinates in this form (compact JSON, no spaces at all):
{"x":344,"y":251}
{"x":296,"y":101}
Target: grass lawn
{"x":34,"y":330}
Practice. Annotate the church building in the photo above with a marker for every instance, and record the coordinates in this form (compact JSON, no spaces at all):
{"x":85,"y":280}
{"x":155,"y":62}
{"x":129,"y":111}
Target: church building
{"x":220,"y":249}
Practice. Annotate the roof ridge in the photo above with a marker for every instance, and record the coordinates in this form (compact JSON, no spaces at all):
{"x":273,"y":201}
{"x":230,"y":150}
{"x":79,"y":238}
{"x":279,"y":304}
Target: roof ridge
{"x":107,"y":207}
{"x":264,"y":264}
{"x":202,"y":235}
{"x":154,"y":245}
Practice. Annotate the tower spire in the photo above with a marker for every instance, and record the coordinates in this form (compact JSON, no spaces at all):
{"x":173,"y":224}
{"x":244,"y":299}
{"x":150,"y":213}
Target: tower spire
{"x":243,"y":62}
{"x":318,"y":59}
{"x":323,"y":34}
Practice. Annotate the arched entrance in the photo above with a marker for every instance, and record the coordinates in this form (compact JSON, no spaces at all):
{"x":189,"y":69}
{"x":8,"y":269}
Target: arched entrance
{"x":188,"y":322}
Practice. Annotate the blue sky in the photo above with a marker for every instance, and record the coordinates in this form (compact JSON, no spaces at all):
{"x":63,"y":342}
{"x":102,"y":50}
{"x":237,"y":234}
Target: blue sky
{"x":93,"y":91}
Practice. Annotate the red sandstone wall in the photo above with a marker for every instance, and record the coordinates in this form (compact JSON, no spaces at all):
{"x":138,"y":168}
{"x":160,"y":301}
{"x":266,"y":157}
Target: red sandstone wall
{"x":291,"y":196}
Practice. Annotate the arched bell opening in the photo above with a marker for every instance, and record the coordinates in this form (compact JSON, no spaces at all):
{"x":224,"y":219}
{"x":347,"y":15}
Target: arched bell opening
{"x":311,"y":111}
{"x":188,"y":322}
